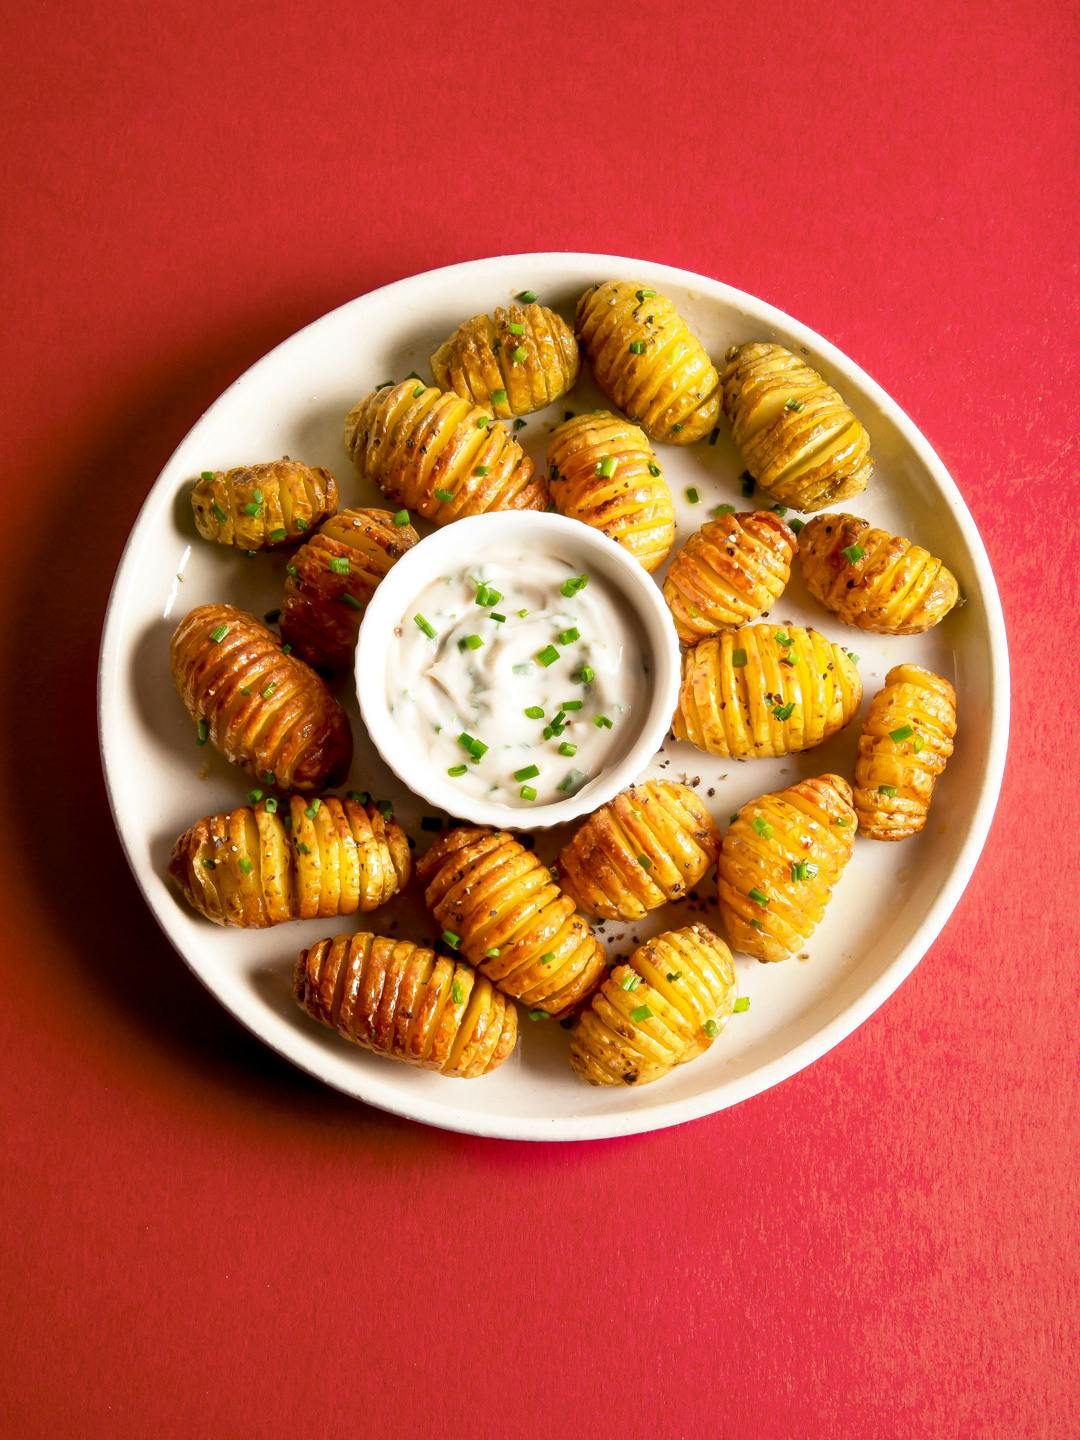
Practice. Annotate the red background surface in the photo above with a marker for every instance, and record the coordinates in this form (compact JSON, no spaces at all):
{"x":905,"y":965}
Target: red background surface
{"x":197,"y":1240}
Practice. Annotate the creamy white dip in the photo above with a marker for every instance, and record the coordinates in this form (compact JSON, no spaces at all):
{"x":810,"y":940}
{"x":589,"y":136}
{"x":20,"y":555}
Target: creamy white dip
{"x":517,"y":665}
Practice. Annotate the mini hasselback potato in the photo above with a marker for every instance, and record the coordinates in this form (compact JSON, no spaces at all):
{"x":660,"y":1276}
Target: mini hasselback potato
{"x":256,"y":507}
{"x":439,"y":455}
{"x":647,"y":361}
{"x":663,"y":1007}
{"x":779,"y":862}
{"x":290,"y":859}
{"x":603,"y":472}
{"x":510,"y":918}
{"x":872,"y":579}
{"x":652,"y":843}
{"x":331,"y":579}
{"x":765,"y":690}
{"x":264,"y":710}
{"x":397,"y":999}
{"x":518,"y":360}
{"x":905,"y":743}
{"x":728,"y":573}
{"x":797,"y":436}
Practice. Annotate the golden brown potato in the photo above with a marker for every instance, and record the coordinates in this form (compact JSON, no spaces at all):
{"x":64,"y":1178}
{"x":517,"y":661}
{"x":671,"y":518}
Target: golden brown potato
{"x":872,"y":579}
{"x":765,"y":690}
{"x":256,"y":507}
{"x":662,"y":1008}
{"x":517,"y":361}
{"x":500,"y":906}
{"x":728,"y":573}
{"x":439,"y":455}
{"x":647,"y":362}
{"x":603,"y":472}
{"x":798,"y":438}
{"x":331,"y":579}
{"x":779,"y":863}
{"x":905,"y":743}
{"x":650,"y":844}
{"x":397,"y":999}
{"x":293,"y":859}
{"x":264,"y":710}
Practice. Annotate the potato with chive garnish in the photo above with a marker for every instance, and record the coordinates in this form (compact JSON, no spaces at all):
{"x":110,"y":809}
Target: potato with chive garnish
{"x":406,"y":1002}
{"x":297,"y":858}
{"x":259,"y":507}
{"x":665,"y":1006}
{"x":905,"y":744}
{"x":648,"y":362}
{"x":728,"y":573}
{"x":798,"y":437}
{"x":779,"y":863}
{"x":440,"y":456}
{"x":603,"y":472}
{"x":514,"y":362}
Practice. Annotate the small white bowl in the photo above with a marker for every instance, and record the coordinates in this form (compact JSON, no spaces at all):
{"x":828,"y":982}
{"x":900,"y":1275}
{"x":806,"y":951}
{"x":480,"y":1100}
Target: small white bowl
{"x":471,"y":541}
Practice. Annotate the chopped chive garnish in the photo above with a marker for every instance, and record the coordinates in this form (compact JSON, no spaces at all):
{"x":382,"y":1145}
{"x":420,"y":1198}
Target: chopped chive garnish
{"x":535,"y":712}
{"x":269,"y":777}
{"x":300,"y":524}
{"x":278,"y":534}
{"x":643,"y":295}
{"x":673,"y":975}
{"x":644,"y":862}
{"x":642,"y":1012}
{"x":351,"y":601}
{"x":606,"y":466}
{"x":756,"y":924}
{"x":291,"y":571}
{"x":758,"y":897}
{"x":522,"y":614}
{"x":742,"y":1004}
{"x":780,"y":510}
{"x":270,"y":805}
{"x":401,"y":518}
{"x":472,"y":642}
{"x":852,"y":656}
{"x":527,"y":297}
{"x":313,"y":809}
{"x":454,"y":941}
{"x":206,"y":475}
{"x":481,"y":469}
{"x":358,"y":797}
{"x":784,"y":639}
{"x":548,"y":958}
{"x":559,"y":722}
{"x":547,"y":656}
{"x":254,"y":796}
{"x":218,"y":633}
{"x":784,"y":712}
{"x":219,"y":514}
{"x":548,"y":732}
{"x":571,"y":705}
{"x":476,"y":748}
{"x":246,"y":866}
{"x":573,"y":781}
{"x":567,"y":637}
{"x":418,"y":392}
{"x":499,"y":619}
{"x":340,"y":565}
{"x":444,"y":495}
{"x":637,"y":347}
{"x":602,"y":722}
{"x":905,"y":732}
{"x":539,"y":1015}
{"x":791,"y":658}
{"x":803,"y":870}
{"x":530,"y":772}
{"x":518,"y":355}
{"x":268,"y":690}
{"x":842,"y":822}
{"x":302,"y":848}
{"x":793,"y":405}
{"x":202,"y":734}
{"x":457,"y":770}
{"x":567,"y":749}
{"x":654,"y":469}
{"x":483,"y":421}
{"x":456,"y":993}
{"x":253,"y":507}
{"x":738,"y":658}
{"x":796,"y":525}
{"x":487,"y":595}
{"x":571,"y":587}
{"x":692,"y":495}
{"x":630,"y":981}
{"x":527,"y":792}
{"x":710,"y":1027}
{"x":889,"y":790}
{"x":763,"y":828}
{"x":493,"y":953}
{"x":586,"y":675}
{"x":724,"y":510}
{"x":917,"y":744}
{"x":853,"y":553}
{"x":426,"y":626}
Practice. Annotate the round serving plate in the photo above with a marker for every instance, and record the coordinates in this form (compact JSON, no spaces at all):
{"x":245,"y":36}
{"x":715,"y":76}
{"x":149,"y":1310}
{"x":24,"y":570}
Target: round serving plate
{"x":891,"y":902}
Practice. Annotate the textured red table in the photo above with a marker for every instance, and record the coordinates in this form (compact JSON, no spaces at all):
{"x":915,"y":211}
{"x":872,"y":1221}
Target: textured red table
{"x":197,"y":1240}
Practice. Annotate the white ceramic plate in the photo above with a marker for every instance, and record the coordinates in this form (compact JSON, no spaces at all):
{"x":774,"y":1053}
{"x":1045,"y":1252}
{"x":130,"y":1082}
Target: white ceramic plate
{"x":893,"y":899}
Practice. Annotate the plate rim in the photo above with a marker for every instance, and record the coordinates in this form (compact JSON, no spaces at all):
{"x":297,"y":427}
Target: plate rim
{"x":606,"y":1126}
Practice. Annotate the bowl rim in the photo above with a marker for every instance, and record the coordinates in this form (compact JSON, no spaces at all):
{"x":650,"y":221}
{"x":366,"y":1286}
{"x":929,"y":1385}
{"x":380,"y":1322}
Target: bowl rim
{"x":407,"y":576}
{"x":444,"y":1114}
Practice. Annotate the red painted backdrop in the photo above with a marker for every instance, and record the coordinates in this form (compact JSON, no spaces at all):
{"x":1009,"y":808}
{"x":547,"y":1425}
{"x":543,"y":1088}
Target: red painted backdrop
{"x":195,"y":1239}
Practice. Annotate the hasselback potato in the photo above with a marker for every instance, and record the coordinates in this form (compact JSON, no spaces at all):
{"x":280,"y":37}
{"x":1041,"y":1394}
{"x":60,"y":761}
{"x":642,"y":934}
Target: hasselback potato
{"x":291,"y":859}
{"x":797,"y":436}
{"x":518,"y":360}
{"x":779,"y":862}
{"x":765,"y":690}
{"x":256,"y":507}
{"x":440,"y":455}
{"x":603,"y":472}
{"x":663,"y":1007}
{"x":650,"y":844}
{"x":728,"y":573}
{"x":331,"y":579}
{"x":397,"y":999}
{"x":264,"y":710}
{"x":872,"y":579}
{"x":647,"y":361}
{"x":904,"y":746}
{"x":499,"y":905}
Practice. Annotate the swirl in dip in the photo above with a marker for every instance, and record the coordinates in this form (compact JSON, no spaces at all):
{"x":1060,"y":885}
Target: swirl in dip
{"x":517,"y":677}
